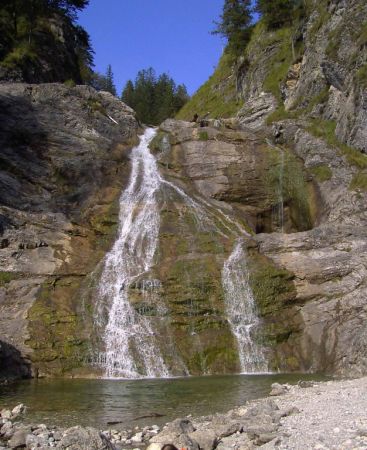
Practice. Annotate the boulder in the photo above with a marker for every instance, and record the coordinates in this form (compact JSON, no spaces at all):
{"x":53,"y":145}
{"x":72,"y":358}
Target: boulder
{"x":79,"y":438}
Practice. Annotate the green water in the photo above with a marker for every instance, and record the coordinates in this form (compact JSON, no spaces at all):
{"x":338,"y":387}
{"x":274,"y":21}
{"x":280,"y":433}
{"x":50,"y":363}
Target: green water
{"x":97,"y":402}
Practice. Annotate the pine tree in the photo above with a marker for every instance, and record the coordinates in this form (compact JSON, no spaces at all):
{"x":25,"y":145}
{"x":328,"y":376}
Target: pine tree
{"x":24,"y":25}
{"x":109,"y":82}
{"x":277,"y":13}
{"x":153,"y":98}
{"x":128,"y":94}
{"x":235,"y":24}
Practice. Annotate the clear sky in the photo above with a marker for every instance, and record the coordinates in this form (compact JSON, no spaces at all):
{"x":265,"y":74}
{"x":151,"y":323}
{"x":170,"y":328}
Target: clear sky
{"x":171,"y":36}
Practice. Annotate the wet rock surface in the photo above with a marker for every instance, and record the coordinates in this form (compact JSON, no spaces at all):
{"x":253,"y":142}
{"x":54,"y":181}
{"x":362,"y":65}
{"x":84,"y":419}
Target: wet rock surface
{"x":309,"y":281}
{"x":329,"y":415}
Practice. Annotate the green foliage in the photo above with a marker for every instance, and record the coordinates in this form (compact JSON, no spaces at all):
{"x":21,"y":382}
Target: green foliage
{"x":7,"y":277}
{"x":321,"y":18}
{"x":322,"y":172}
{"x":104,"y":82}
{"x":203,"y":136}
{"x":359,"y":181}
{"x":154,"y":98}
{"x":110,"y":85}
{"x":279,"y":64}
{"x":325,"y":129}
{"x":362,"y":35}
{"x":235,"y":24}
{"x":277,"y":13}
{"x":286,"y":170}
{"x":280,"y":114}
{"x":70,"y":83}
{"x":28,"y":40}
{"x":96,"y":106}
{"x":362,"y":76}
{"x":216,"y":98}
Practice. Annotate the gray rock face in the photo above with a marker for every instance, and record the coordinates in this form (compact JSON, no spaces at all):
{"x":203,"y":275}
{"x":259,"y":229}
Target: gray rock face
{"x":256,"y":110}
{"x":63,"y":154}
{"x":326,"y":79}
{"x":323,"y":321}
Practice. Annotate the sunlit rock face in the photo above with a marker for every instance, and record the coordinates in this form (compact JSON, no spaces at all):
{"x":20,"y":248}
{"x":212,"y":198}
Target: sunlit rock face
{"x":306,"y":268}
{"x":239,"y":255}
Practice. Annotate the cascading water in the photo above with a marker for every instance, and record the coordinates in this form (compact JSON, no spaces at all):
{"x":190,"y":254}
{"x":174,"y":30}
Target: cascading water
{"x":131,"y":349}
{"x":132,"y":256}
{"x":241,"y":310}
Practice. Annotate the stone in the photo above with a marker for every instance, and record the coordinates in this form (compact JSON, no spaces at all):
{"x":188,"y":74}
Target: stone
{"x":17,"y":411}
{"x":6,"y":414}
{"x":79,"y":438}
{"x":206,"y":439}
{"x":36,"y":441}
{"x":305,"y":384}
{"x":278,"y":389}
{"x":7,"y":430}
{"x":138,"y":437}
{"x":241,"y":441}
{"x":154,"y":447}
{"x":18,"y":440}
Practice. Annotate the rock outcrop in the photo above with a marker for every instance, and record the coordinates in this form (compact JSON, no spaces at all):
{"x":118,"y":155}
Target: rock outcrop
{"x":62,"y":166}
{"x":309,"y":280}
{"x":303,"y":90}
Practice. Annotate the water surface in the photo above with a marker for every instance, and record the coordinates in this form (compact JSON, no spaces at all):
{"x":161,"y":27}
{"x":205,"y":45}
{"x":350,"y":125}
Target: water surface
{"x":65,"y":402}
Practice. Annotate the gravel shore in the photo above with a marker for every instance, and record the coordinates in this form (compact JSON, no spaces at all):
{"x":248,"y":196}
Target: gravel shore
{"x":311,"y":415}
{"x":332,"y":415}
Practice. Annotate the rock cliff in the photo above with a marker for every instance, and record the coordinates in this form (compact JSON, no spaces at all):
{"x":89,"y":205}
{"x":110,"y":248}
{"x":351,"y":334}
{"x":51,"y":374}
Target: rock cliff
{"x":303,"y":90}
{"x":288,"y":170}
{"x":310,"y":279}
{"x":62,"y":166}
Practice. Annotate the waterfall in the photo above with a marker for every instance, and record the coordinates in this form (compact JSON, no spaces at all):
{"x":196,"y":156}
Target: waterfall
{"x":128,"y":336}
{"x":278,"y":210}
{"x":131,"y":349}
{"x":280,"y":192}
{"x":241,"y":310}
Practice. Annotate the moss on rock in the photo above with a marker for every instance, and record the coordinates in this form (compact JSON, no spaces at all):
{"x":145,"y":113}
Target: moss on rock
{"x":54,"y":327}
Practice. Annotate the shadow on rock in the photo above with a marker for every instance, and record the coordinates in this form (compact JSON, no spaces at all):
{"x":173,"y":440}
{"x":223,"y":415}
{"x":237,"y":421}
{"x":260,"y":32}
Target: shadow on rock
{"x":12,"y":363}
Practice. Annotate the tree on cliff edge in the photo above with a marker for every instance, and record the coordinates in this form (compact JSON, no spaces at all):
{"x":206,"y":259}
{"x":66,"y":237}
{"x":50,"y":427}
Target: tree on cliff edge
{"x":31,"y":48}
{"x":235,"y":24}
{"x":277,"y":13}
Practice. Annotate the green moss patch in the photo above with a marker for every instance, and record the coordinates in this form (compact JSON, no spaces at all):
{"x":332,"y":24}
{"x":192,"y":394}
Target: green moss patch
{"x":325,"y":129}
{"x":272,"y":286}
{"x":213,"y":360}
{"x":55,"y":328}
{"x":321,"y":172}
{"x":203,"y":136}
{"x":362,"y":75}
{"x":7,"y":277}
{"x":359,"y":181}
{"x":95,"y":105}
{"x":286,"y":176}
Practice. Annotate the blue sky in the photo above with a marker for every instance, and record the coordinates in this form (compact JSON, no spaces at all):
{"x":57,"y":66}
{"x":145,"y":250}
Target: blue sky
{"x":169,"y":35}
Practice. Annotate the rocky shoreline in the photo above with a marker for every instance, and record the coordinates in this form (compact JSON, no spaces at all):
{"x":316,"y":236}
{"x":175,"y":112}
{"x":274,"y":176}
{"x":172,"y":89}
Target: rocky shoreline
{"x":310,"y":415}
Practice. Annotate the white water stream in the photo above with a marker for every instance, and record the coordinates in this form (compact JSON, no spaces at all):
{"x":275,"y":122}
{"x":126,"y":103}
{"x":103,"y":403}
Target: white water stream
{"x":131,"y":350}
{"x":241,"y":310}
